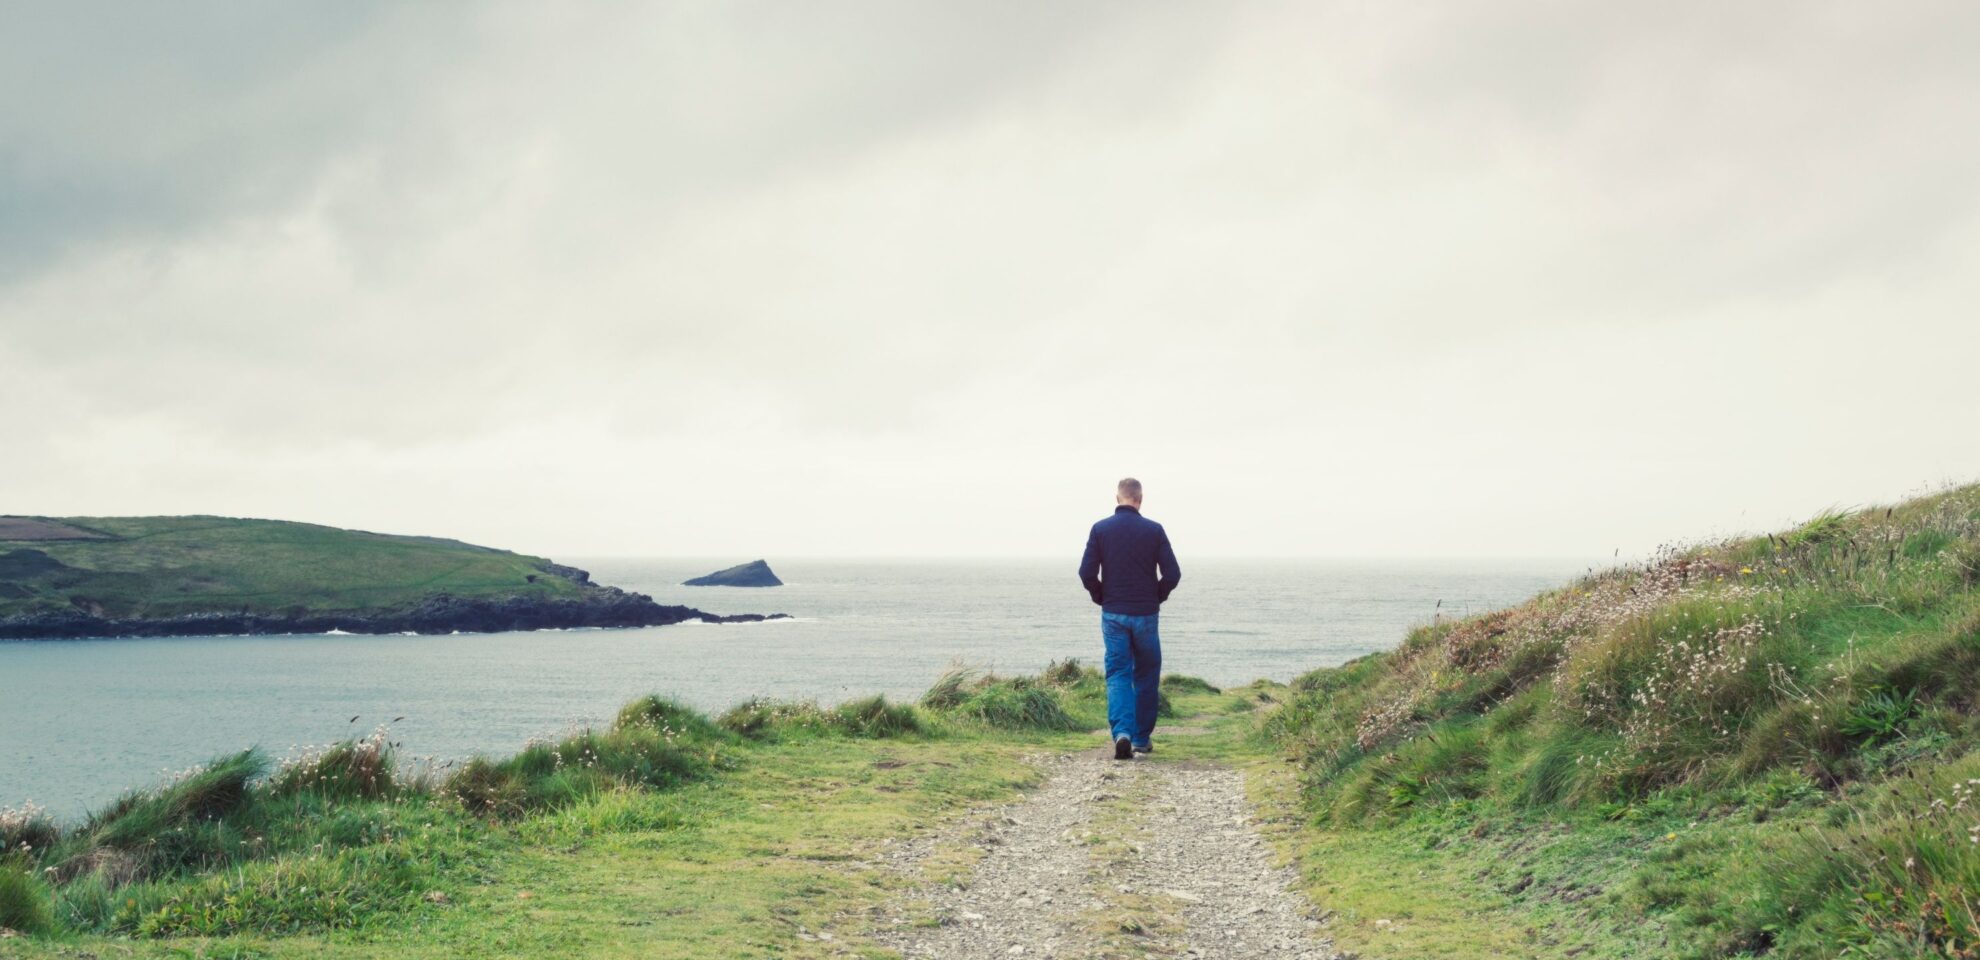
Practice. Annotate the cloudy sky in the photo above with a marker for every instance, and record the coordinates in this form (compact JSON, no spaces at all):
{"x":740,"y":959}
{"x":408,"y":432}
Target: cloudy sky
{"x":742,"y":279}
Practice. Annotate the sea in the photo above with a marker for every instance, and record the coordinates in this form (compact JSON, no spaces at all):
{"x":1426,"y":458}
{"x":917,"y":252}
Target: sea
{"x":82,"y":721}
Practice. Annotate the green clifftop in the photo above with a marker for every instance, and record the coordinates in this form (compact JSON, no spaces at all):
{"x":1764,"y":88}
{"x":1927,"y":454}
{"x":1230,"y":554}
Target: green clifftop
{"x":152,"y":567}
{"x":187,"y":576}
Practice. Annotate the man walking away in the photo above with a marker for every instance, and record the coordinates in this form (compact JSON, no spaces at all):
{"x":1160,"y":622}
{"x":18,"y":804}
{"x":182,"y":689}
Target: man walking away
{"x":1129,"y":569}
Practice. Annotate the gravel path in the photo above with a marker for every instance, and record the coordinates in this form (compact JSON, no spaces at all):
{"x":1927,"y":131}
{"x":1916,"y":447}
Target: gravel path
{"x":1112,"y":859}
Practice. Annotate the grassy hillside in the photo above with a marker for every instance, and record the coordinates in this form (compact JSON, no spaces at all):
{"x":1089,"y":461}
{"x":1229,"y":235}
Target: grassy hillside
{"x":1768,"y":746}
{"x":164,"y":566}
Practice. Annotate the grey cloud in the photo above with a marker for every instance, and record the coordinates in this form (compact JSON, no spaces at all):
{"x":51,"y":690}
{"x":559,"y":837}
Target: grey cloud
{"x":400,"y":266}
{"x":1720,"y":150}
{"x":151,"y":119}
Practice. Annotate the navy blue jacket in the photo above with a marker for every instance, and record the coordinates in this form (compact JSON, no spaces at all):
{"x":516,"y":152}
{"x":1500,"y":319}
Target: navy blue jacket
{"x":1129,"y":549}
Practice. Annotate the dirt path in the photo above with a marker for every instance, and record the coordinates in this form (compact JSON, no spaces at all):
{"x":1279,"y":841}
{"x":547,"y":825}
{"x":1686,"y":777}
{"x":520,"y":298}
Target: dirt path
{"x":1111,"y":859}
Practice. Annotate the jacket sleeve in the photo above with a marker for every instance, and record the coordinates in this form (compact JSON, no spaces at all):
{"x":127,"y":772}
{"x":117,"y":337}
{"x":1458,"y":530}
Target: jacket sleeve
{"x":1171,"y":572}
{"x":1089,"y":566}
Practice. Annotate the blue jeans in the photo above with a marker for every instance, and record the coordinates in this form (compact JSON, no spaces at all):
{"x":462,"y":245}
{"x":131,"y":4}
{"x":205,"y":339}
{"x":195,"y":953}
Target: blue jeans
{"x":1134,"y":674}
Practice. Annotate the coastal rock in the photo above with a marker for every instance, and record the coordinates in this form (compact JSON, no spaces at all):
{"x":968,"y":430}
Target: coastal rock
{"x":755,"y":573}
{"x":607,"y":607}
{"x":573,"y":574}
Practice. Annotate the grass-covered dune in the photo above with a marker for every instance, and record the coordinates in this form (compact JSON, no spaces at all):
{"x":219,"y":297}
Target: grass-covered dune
{"x":1762,"y":747}
{"x":143,"y":575}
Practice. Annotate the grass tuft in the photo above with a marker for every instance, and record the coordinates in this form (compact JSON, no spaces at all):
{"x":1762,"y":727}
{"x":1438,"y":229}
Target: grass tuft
{"x":351,"y":770}
{"x":24,"y":901}
{"x":667,"y":716}
{"x":763,"y":719}
{"x":950,"y":689}
{"x":1013,"y":705}
{"x":876,"y":718}
{"x":1066,"y":696}
{"x":487,"y":788}
{"x":1184,"y":685}
{"x":181,"y":826}
{"x":1067,"y":672}
{"x":1009,"y":703}
{"x":27,"y":831}
{"x":868,"y":717}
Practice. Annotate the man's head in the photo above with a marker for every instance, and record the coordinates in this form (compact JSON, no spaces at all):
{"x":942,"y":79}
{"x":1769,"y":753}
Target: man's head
{"x":1128,"y":492}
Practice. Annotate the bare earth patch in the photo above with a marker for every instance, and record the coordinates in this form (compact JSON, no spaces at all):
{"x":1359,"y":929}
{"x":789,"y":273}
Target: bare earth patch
{"x":28,"y":528}
{"x":1111,"y":859}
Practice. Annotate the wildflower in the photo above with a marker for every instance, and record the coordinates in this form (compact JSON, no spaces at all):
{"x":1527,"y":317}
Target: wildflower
{"x":1745,"y":571}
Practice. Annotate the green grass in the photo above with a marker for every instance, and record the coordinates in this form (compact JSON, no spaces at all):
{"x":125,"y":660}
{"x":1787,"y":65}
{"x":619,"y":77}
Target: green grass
{"x":870,"y":717}
{"x":166,"y":566}
{"x":24,"y":901}
{"x":664,"y":833}
{"x":1732,"y":750}
{"x":1065,"y":697}
{"x":1181,"y":684}
{"x":732,"y":866}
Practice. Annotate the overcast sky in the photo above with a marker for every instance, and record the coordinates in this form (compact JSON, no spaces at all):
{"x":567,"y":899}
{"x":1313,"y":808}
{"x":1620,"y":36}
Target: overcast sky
{"x":746,"y":279}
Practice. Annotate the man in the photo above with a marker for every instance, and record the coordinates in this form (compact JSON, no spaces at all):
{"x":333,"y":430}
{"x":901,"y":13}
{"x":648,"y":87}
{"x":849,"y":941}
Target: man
{"x":1129,"y":569}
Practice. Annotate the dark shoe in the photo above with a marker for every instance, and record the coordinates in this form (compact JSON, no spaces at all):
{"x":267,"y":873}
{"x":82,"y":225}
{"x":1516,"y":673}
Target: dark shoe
{"x":1144,"y":748}
{"x":1123,"y":749}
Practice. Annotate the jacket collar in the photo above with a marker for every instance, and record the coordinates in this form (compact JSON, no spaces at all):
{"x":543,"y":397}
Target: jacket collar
{"x":1129,"y":507}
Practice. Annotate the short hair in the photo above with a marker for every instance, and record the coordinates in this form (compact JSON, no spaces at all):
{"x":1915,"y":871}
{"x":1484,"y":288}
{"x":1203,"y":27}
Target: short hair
{"x":1129,"y":488}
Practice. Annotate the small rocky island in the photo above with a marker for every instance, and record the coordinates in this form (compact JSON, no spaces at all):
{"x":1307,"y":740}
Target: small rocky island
{"x":755,"y":573}
{"x":197,"y":576}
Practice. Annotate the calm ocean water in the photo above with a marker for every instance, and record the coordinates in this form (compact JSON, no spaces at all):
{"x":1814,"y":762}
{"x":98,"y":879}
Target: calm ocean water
{"x":82,"y":720}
